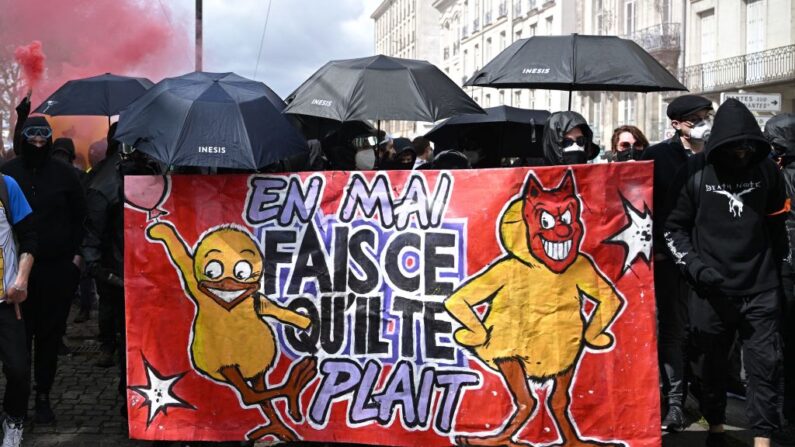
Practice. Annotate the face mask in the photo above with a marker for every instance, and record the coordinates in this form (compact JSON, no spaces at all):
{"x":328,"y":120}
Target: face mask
{"x":365,"y":160}
{"x":630,"y":154}
{"x":472,"y":156}
{"x":701,"y":131}
{"x":574,"y":155}
{"x":33,"y":155}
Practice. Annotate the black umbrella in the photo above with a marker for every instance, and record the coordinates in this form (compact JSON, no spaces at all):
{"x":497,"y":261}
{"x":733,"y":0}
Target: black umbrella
{"x":380,"y":88}
{"x":216,"y":120}
{"x":315,"y":127}
{"x":575,"y":63}
{"x":103,"y":95}
{"x":507,"y":131}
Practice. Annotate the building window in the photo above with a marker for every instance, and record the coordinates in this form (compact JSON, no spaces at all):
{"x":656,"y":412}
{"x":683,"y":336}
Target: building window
{"x":627,"y":105}
{"x":502,"y":97}
{"x":706,"y":22}
{"x":754,"y":26}
{"x":629,"y":17}
{"x":518,"y":35}
{"x":548,"y":26}
{"x":517,"y":98}
{"x":503,"y":41}
{"x":533,"y":29}
{"x":487,"y":51}
{"x":487,"y":101}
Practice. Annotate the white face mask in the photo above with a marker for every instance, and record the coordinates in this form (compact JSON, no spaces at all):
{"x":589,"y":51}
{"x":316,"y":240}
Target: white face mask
{"x":701,"y":131}
{"x":365,"y":160}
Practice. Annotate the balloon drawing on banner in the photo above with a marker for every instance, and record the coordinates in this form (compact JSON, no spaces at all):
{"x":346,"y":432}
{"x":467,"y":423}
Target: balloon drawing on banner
{"x":147,"y":194}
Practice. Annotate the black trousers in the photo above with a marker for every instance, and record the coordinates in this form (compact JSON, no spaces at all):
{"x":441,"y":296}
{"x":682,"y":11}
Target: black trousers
{"x":111,"y":321}
{"x":16,"y":362}
{"x":788,"y":334}
{"x":714,"y":322}
{"x":51,"y":288}
{"x":672,"y":292}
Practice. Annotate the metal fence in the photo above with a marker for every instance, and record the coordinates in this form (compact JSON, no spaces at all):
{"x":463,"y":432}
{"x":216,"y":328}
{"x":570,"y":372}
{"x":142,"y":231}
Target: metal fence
{"x":777,"y":64}
{"x":664,"y":36}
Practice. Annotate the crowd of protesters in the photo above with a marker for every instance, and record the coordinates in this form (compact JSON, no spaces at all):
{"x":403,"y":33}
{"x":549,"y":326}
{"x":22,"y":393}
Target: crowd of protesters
{"x":724,"y":232}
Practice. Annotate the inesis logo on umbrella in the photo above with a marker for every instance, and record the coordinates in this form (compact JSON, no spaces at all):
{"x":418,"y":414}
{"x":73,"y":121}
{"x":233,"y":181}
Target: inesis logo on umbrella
{"x":536,"y":69}
{"x":212,"y":149}
{"x":322,"y":102}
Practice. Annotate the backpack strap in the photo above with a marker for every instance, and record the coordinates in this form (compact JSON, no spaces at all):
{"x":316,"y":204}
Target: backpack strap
{"x":4,"y":199}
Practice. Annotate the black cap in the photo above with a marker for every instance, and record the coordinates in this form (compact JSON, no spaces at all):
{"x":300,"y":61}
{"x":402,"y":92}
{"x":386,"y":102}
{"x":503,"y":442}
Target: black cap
{"x":686,"y":105}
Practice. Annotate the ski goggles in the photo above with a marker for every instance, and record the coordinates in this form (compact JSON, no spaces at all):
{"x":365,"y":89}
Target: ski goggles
{"x":37,"y":131}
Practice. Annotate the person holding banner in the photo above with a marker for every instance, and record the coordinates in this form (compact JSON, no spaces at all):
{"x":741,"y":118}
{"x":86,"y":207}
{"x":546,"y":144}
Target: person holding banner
{"x":672,"y":290}
{"x":16,"y":236}
{"x":568,"y":140}
{"x":726,"y":233}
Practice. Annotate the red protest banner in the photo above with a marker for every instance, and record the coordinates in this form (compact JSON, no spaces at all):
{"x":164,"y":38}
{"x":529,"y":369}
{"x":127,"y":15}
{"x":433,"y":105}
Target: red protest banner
{"x":485,"y":307}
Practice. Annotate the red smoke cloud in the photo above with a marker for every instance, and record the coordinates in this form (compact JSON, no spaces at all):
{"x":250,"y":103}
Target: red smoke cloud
{"x":31,"y":59}
{"x":89,"y":37}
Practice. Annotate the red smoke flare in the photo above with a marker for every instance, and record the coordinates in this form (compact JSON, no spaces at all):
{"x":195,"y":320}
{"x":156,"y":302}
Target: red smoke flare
{"x":88,"y":37}
{"x":31,"y":59}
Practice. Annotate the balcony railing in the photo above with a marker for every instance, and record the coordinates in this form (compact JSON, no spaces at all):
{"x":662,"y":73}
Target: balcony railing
{"x":502,"y":11}
{"x":476,"y":25}
{"x":456,"y":46}
{"x":446,"y":53}
{"x":774,"y":65}
{"x":664,"y":36}
{"x":487,"y":19}
{"x":517,"y":8}
{"x":532,"y":4}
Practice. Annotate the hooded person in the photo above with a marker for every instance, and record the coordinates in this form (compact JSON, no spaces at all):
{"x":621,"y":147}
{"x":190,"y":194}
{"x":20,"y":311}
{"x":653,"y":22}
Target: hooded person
{"x":780,"y":132}
{"x":58,"y":204}
{"x":726,"y":233}
{"x":63,"y":149}
{"x":568,"y":140}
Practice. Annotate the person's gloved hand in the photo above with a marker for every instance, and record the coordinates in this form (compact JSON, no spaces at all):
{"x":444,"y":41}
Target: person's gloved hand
{"x":710,"y":277}
{"x":707,"y":281}
{"x":23,"y":109}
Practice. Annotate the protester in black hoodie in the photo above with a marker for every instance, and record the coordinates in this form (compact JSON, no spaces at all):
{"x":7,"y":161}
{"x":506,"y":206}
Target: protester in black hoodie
{"x":780,"y":132}
{"x":726,"y":232}
{"x":671,"y":290}
{"x":568,"y":140}
{"x":58,"y":204}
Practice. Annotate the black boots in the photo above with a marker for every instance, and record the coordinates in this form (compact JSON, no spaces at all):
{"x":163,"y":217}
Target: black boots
{"x":44,"y":413}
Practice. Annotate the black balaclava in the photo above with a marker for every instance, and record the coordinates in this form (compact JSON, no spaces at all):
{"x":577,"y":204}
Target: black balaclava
{"x":34,"y":156}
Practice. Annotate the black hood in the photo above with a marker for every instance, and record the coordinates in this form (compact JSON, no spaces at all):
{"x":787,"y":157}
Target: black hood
{"x":65,"y":145}
{"x":32,"y":155}
{"x":557,"y":125}
{"x":733,"y":123}
{"x":780,"y":130}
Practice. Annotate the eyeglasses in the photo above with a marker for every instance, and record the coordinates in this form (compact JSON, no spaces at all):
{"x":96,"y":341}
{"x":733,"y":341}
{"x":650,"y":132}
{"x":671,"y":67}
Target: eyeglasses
{"x":567,"y":142}
{"x":364,"y":142}
{"x":624,"y":145}
{"x":37,"y":131}
{"x":694,"y":121}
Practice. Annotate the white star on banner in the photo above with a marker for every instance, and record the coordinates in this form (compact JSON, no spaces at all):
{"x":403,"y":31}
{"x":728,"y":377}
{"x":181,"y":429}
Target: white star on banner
{"x":635,"y":236}
{"x":158,"y":393}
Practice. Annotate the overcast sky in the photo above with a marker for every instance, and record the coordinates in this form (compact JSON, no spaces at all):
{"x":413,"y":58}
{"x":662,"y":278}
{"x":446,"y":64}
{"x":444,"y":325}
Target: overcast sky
{"x":301,"y":36}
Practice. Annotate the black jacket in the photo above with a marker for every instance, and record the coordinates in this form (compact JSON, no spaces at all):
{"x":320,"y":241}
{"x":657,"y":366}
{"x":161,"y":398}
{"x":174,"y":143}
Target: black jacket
{"x":56,"y":197}
{"x":727,"y":217}
{"x":669,"y":157}
{"x":103,"y":245}
{"x":780,"y":131}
